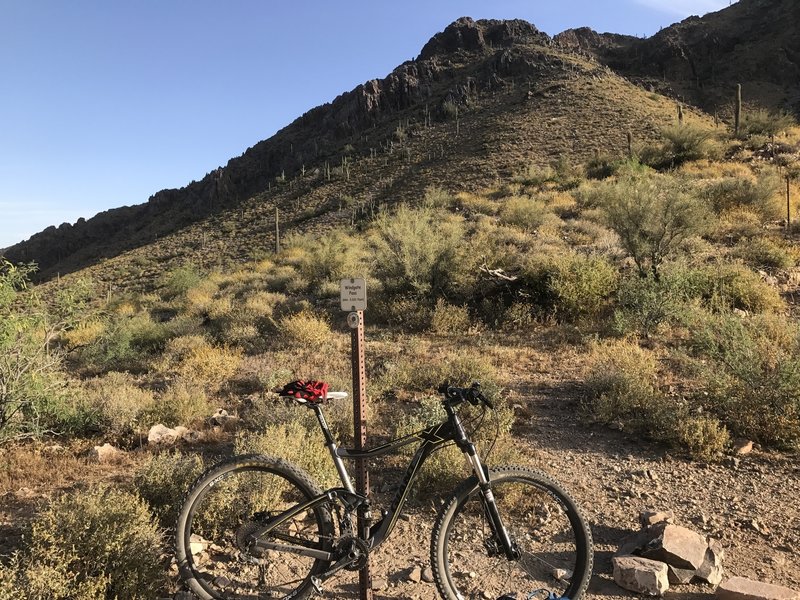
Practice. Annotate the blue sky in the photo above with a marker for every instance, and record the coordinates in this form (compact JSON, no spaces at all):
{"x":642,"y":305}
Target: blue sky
{"x":103,"y":103}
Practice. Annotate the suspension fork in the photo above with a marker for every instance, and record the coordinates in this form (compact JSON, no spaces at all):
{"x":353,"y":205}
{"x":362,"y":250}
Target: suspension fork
{"x":508,"y":547}
{"x":487,"y":497}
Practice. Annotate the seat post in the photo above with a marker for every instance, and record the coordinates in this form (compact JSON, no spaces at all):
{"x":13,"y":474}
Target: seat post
{"x":330,"y":444}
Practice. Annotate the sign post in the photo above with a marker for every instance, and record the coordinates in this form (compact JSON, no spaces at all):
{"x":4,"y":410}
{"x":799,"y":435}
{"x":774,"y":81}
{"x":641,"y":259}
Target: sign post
{"x":354,"y":300}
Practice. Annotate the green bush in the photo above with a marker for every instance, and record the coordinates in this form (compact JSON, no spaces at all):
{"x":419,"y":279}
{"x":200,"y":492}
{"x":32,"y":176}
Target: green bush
{"x":33,"y":396}
{"x":760,"y":195}
{"x":762,"y":122}
{"x":751,"y":371}
{"x":447,"y":318}
{"x":299,"y":444}
{"x":703,"y":437}
{"x":420,"y":252}
{"x":184,"y":402}
{"x":645,"y":304}
{"x":764,"y":253}
{"x":736,"y":286}
{"x":621,"y":386}
{"x":652,"y":216}
{"x":523,"y":212}
{"x":120,"y":404}
{"x":177,"y":282}
{"x":162,"y":480}
{"x":91,"y":545}
{"x":582,"y":284}
{"x":682,"y":143}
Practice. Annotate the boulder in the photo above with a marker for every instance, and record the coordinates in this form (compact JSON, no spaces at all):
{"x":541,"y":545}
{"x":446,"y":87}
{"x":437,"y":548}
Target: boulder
{"x":161,"y":434}
{"x":739,"y":588}
{"x":648,"y":518}
{"x":105,"y":453}
{"x":677,"y":546}
{"x":711,"y":569}
{"x":641,"y":575}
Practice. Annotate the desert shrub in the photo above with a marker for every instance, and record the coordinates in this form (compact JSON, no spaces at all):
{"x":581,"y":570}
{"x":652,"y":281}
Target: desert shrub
{"x":523,"y":212}
{"x":436,"y":197}
{"x":402,"y":372}
{"x":162,"y":480}
{"x":126,"y":343}
{"x":33,"y":397}
{"x":296,"y":443}
{"x":194,"y":358}
{"x":448,"y":318}
{"x":652,"y":215}
{"x":91,"y":545}
{"x":764,"y":253}
{"x":602,"y":166}
{"x":473,"y":203}
{"x":622,"y":389}
{"x":581,"y":284}
{"x":703,"y":437}
{"x":751,"y":372}
{"x":420,"y":252}
{"x":305,"y":330}
{"x":406,"y":313}
{"x":682,"y":143}
{"x":568,"y":285}
{"x":736,"y":286}
{"x":761,"y":122}
{"x":645,"y":304}
{"x":177,"y":282}
{"x":285,"y":278}
{"x":120,"y":403}
{"x":330,"y":258}
{"x":737,"y":223}
{"x":184,"y":402}
{"x":758,"y":195}
{"x":516,"y":317}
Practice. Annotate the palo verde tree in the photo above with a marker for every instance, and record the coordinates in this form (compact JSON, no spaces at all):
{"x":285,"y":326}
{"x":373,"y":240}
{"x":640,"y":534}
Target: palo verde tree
{"x":31,"y":382}
{"x":653,"y":214}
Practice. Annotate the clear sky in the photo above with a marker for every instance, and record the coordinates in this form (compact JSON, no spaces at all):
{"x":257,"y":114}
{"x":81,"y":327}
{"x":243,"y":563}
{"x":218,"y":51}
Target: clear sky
{"x":105,"y":102}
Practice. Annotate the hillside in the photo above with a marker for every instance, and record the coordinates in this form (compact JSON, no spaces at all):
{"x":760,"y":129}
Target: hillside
{"x":481,"y":99}
{"x":619,"y":273}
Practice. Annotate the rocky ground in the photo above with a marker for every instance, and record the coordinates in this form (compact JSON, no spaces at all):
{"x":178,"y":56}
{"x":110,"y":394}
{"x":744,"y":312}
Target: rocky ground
{"x":748,"y":502}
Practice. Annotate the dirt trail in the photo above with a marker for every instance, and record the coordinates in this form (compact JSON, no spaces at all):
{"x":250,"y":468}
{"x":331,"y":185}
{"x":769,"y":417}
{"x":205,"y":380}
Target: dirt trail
{"x":749,"y":503}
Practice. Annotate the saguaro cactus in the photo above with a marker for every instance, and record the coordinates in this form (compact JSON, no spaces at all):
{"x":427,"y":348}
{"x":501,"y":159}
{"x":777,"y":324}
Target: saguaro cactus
{"x":737,"y":115}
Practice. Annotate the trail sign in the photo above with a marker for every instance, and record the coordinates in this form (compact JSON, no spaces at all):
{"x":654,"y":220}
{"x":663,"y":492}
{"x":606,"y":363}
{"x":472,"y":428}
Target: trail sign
{"x":354,"y":294}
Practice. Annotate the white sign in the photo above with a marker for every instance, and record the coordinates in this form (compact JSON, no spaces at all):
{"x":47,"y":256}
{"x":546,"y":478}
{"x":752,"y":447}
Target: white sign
{"x":354,"y":294}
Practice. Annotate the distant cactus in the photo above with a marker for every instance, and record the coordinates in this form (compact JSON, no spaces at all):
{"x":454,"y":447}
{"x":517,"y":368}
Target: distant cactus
{"x":680,"y":114}
{"x":737,"y":115}
{"x":629,"y":135}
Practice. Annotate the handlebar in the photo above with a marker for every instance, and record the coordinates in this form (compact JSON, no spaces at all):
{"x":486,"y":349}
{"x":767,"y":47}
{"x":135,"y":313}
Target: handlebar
{"x":456,"y":395}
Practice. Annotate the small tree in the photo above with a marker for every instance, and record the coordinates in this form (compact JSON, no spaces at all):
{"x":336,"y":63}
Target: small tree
{"x":652,"y":215}
{"x":30,"y":364}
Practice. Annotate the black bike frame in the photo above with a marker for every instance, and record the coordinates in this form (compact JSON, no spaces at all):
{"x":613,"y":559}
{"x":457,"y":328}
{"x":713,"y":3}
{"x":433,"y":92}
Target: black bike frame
{"x":431,"y":438}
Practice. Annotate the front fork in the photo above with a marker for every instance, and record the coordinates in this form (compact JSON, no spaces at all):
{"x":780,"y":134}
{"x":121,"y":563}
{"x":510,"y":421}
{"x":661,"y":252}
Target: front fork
{"x":501,"y":537}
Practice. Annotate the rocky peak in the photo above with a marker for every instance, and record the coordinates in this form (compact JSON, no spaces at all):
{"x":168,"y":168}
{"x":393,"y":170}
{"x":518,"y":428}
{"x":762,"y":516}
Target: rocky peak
{"x":475,"y":36}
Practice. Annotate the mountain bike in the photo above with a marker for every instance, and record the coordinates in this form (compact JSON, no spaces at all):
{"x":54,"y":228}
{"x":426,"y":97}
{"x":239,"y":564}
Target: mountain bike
{"x":257,"y":526}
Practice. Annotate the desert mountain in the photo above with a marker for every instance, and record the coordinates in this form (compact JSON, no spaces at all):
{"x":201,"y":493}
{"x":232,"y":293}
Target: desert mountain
{"x":482,"y":100}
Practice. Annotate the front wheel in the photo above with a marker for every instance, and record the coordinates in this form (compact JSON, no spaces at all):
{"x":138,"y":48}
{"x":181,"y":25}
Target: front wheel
{"x":217,"y":540}
{"x":551,"y":537}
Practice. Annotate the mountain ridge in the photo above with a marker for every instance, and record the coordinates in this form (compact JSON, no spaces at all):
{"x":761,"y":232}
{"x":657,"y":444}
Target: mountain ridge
{"x":487,"y":66}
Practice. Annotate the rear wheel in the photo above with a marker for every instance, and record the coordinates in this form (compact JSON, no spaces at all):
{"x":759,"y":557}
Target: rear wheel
{"x":216,"y":534}
{"x":543,"y":522}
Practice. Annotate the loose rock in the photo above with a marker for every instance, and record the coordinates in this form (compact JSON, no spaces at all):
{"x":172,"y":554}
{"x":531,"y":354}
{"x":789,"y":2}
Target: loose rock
{"x":679,"y":547}
{"x":641,"y":575}
{"x":105,"y":453}
{"x":739,"y":588}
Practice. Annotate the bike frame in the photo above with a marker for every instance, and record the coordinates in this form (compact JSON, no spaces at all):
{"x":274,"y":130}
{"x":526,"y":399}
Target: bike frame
{"x":431,"y":438}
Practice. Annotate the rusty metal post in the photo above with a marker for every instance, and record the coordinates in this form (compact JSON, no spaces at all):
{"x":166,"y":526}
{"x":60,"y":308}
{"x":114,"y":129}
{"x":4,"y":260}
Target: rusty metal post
{"x":360,"y":437}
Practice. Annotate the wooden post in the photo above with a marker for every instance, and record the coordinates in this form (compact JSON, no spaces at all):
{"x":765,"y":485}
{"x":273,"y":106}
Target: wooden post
{"x":360,"y":437}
